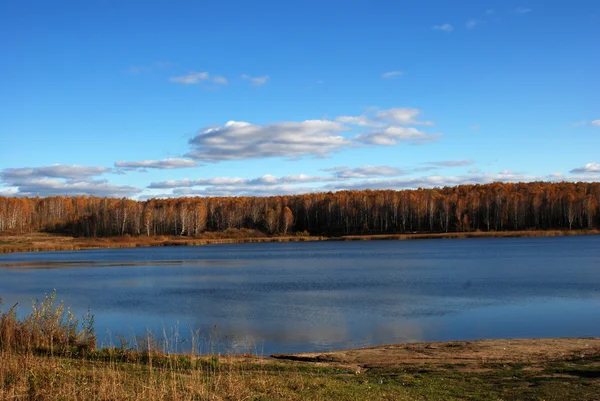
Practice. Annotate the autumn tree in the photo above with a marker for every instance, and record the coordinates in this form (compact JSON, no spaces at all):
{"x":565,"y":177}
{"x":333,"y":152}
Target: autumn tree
{"x":496,"y":206}
{"x":287,"y":220}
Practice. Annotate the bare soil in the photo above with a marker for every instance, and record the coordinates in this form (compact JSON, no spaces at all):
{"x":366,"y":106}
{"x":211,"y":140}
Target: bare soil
{"x":467,"y":355}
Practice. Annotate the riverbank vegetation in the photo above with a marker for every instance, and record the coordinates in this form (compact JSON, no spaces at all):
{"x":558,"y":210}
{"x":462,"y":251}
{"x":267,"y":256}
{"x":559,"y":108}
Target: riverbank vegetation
{"x":44,"y":242}
{"x":51,"y":355}
{"x":496,"y":207}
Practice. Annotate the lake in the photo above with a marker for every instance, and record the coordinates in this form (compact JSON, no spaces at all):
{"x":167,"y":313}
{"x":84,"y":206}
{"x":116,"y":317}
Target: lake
{"x":294,"y":297}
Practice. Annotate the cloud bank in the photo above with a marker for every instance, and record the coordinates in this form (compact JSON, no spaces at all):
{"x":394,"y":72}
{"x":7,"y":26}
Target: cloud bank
{"x":60,"y":179}
{"x":345,"y":178}
{"x":195,"y":78}
{"x":171,"y":163}
{"x":238,"y":140}
{"x":589,"y":168}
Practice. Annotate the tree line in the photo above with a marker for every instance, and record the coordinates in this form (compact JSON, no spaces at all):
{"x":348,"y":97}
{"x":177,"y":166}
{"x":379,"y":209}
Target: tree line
{"x":489,"y":207}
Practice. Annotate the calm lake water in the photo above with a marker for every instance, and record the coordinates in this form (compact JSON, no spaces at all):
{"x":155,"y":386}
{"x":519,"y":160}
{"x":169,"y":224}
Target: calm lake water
{"x":294,"y":297}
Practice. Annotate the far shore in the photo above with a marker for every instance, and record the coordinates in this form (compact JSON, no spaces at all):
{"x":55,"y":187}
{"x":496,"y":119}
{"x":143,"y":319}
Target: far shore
{"x":45,"y":242}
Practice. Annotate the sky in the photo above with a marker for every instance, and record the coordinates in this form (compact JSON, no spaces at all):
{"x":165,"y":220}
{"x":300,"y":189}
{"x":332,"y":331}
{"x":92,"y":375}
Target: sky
{"x":146,"y":99}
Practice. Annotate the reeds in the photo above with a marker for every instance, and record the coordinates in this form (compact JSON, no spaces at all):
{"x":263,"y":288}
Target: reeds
{"x":37,"y":362}
{"x":48,"y":242}
{"x":51,"y":354}
{"x":49,"y":329}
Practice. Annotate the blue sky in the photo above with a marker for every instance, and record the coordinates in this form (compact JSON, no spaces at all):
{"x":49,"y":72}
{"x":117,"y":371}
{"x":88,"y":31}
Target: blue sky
{"x":181,"y":98}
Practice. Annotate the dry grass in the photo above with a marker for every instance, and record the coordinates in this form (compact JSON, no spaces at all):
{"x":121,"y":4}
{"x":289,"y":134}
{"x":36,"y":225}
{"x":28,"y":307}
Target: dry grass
{"x":33,"y":377}
{"x":41,"y":242}
{"x":472,"y":234}
{"x":49,"y":329}
{"x":47,"y":356}
{"x":41,"y":377}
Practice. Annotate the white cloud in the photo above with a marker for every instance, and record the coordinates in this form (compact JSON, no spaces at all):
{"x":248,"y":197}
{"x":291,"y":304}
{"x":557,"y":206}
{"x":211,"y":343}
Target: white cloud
{"x":490,"y":12}
{"x":237,"y":140}
{"x":269,"y":179}
{"x":53,"y":171}
{"x":595,"y":123}
{"x":341,"y":177}
{"x":62,"y":179}
{"x":346,"y":178}
{"x":187,"y":183}
{"x":589,"y":168}
{"x":443,"y":27}
{"x":451,"y":163}
{"x":361,"y":120}
{"x":522,"y":10}
{"x":54,"y":187}
{"x":193,"y":78}
{"x":387,"y":117}
{"x":235,"y":186}
{"x":579,"y":123}
{"x":170,"y":163}
{"x":435,"y":181}
{"x":256,"y":81}
{"x":392,"y":74}
{"x":218,"y":79}
{"x":389,"y":127}
{"x":391,"y":136}
{"x":246,"y":190}
{"x":10,"y":191}
{"x":241,"y":140}
{"x":472,"y":23}
{"x":265,"y":180}
{"x":401,"y":116}
{"x":343,"y":172}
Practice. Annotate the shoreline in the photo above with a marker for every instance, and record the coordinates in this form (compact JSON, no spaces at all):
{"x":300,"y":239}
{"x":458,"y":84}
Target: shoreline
{"x":43,"y":242}
{"x":467,"y":353}
{"x":66,"y":363}
{"x":523,"y":369}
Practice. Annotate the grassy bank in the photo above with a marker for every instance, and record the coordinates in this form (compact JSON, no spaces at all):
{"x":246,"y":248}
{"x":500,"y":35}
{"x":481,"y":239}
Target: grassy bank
{"x":43,"y":242}
{"x":51,"y":355}
{"x":35,"y":377}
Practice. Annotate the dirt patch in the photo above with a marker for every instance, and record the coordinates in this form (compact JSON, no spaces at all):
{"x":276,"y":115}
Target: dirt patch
{"x":463,"y":355}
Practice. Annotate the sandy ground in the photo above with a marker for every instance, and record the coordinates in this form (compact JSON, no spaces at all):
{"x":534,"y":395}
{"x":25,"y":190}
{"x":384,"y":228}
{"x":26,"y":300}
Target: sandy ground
{"x":466,"y":355}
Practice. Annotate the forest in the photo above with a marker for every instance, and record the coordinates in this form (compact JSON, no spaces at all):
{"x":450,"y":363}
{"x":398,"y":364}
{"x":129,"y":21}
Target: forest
{"x":465,"y":208}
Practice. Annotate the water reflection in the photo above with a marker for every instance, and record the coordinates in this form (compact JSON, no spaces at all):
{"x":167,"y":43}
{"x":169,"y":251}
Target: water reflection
{"x":312,"y":296}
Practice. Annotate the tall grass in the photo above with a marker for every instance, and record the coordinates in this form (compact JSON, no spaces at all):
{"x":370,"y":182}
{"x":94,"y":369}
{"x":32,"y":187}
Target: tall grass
{"x":51,"y":354}
{"x":49,"y":329}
